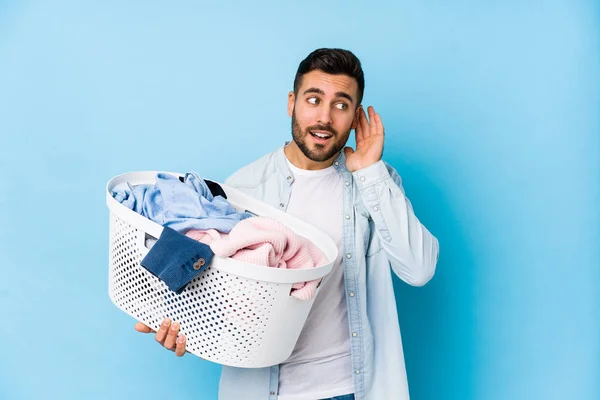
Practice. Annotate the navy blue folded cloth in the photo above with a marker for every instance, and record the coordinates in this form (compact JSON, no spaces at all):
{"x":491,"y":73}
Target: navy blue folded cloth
{"x":177,"y":259}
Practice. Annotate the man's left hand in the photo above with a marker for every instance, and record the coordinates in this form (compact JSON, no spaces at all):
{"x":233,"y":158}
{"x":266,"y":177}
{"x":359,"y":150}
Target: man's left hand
{"x":369,"y":141}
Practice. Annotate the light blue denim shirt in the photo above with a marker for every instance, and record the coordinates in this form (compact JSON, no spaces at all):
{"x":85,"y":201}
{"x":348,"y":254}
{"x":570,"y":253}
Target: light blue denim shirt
{"x":380,"y":230}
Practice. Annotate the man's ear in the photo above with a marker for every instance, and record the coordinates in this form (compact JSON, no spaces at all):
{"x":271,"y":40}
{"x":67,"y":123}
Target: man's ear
{"x":356,"y":117}
{"x":291,"y":102}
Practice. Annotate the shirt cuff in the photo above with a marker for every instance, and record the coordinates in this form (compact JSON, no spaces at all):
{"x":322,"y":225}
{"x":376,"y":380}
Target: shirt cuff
{"x":177,"y":259}
{"x":371,"y":175}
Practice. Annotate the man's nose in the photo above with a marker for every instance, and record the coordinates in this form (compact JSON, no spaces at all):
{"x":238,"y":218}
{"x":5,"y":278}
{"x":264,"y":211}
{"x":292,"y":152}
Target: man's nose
{"x":325,"y":116}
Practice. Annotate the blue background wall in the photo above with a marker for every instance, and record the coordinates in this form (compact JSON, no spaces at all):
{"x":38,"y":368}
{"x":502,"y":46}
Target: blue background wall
{"x":492,"y":119}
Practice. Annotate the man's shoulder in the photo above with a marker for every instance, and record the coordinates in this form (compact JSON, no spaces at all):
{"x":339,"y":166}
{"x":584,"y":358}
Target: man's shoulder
{"x":253,"y":173}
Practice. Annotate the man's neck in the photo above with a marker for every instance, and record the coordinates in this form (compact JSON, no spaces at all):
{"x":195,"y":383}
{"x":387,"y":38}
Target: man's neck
{"x":299,"y":160}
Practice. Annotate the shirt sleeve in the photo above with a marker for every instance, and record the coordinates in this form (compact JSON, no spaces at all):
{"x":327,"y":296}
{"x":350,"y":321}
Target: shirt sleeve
{"x":411,"y":249}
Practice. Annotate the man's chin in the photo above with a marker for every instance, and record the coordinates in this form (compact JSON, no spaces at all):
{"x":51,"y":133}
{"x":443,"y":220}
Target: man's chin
{"x":319,"y":156}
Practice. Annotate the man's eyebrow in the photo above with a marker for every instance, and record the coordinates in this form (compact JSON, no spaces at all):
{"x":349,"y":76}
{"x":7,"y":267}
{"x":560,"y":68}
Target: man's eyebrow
{"x":345,"y":95}
{"x":314,"y":90}
{"x":338,"y":94}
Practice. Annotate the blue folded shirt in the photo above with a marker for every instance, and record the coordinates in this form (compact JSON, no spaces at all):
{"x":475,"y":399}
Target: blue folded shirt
{"x":177,"y":259}
{"x":180,"y":205}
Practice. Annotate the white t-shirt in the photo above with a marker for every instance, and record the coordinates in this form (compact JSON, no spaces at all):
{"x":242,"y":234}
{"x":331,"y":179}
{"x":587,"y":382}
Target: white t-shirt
{"x":320,"y":365}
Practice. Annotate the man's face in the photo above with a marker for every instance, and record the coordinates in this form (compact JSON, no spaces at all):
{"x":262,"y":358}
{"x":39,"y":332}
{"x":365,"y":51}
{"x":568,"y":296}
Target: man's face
{"x":323,"y":114}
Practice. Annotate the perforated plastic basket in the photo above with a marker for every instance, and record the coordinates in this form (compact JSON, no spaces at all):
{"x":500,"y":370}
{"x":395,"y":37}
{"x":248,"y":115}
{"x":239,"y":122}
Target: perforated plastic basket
{"x":233,"y":313}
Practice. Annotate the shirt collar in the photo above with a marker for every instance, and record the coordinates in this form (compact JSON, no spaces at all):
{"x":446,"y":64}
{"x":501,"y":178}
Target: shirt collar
{"x":339,"y":164}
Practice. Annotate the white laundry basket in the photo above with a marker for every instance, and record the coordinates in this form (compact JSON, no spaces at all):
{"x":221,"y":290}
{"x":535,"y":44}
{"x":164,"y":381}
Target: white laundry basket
{"x":233,"y":313}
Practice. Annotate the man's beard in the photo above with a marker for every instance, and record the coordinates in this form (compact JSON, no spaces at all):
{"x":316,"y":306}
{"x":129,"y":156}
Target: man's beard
{"x":320,"y":152}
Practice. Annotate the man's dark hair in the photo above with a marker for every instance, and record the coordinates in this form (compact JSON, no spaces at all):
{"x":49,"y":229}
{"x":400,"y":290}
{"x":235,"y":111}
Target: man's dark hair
{"x":335,"y":62}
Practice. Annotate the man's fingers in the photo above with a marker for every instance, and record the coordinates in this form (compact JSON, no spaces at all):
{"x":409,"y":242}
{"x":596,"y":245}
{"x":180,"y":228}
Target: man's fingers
{"x":380,"y":129}
{"x":364,"y":124}
{"x":172,"y":336}
{"x":180,"y":346}
{"x":358,"y":129}
{"x":161,"y":334}
{"x":358,"y":133}
{"x":140,"y":327}
{"x":167,"y":335}
{"x":372,"y":122}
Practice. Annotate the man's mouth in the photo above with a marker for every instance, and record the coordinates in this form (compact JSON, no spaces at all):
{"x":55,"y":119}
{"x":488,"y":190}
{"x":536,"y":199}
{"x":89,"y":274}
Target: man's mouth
{"x":321,"y":136}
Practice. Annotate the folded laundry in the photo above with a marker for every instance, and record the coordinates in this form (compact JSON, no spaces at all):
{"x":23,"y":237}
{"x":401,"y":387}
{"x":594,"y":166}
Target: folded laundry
{"x":177,"y":259}
{"x":191,"y":204}
{"x":180,"y":205}
{"x":267,"y":242}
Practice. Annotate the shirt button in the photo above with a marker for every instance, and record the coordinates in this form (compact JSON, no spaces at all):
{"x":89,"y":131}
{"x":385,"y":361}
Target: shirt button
{"x":351,"y":294}
{"x":362,"y":178}
{"x":281,"y":205}
{"x":357,"y":371}
{"x":272,"y":393}
{"x":375,"y":208}
{"x":354,"y":334}
{"x":347,"y":216}
{"x":348,"y":256}
{"x":337,"y":163}
{"x":347,"y":183}
{"x":289,"y":178}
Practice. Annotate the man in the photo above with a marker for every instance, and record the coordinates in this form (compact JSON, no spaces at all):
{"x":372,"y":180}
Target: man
{"x":350,"y":347}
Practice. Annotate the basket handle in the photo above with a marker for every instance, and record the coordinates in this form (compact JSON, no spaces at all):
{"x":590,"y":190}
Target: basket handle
{"x":140,"y":239}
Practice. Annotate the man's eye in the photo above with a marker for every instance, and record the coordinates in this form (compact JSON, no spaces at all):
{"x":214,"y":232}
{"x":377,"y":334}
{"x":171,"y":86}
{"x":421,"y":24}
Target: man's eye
{"x":313,"y":100}
{"x":342,"y":106}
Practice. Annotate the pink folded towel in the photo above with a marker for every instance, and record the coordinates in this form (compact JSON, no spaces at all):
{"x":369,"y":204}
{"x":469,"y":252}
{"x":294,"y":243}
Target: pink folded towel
{"x":266,"y":241}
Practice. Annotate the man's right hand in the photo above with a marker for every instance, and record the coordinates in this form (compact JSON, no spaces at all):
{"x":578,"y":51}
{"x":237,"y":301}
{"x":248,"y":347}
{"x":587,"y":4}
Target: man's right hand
{"x":166,"y":335}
